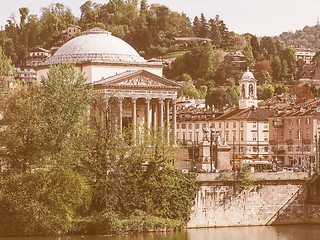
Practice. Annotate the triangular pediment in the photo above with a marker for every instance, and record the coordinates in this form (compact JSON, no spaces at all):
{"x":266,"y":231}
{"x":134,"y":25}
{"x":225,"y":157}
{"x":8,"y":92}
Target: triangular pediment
{"x":138,"y":78}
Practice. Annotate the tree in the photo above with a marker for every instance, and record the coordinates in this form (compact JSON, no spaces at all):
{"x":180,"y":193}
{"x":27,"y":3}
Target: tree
{"x":47,"y":124}
{"x":268,"y":91}
{"x":207,"y":62}
{"x":276,"y":68}
{"x":203,"y":31}
{"x":268,"y":48}
{"x":196,"y":26}
{"x":289,"y":55}
{"x":247,"y":52}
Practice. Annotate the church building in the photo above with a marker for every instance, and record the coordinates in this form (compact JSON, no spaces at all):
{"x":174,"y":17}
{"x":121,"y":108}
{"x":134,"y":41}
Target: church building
{"x":115,"y":70}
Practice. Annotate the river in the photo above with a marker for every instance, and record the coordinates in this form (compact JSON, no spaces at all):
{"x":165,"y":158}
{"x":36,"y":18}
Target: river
{"x":288,"y":232}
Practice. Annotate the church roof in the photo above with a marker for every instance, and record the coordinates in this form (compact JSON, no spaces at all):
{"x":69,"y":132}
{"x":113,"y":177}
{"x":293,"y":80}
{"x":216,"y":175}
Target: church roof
{"x":95,"y":45}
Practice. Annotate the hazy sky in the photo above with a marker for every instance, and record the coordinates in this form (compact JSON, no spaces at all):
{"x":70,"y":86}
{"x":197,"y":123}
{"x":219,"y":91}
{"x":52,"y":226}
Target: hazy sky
{"x":269,"y":17}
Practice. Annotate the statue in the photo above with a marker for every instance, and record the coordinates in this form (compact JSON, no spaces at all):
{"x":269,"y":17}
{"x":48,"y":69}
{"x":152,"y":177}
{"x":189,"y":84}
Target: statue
{"x":205,"y":131}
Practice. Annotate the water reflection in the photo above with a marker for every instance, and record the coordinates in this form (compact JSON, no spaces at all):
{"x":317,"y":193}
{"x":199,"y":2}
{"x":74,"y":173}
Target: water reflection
{"x":291,"y":232}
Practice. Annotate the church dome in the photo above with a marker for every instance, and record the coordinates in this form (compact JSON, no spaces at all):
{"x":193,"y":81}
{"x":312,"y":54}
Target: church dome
{"x":95,"y":45}
{"x":247,"y":75}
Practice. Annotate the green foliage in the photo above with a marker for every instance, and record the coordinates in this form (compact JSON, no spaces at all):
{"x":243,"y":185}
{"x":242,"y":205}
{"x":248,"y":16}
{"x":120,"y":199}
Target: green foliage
{"x":226,"y":177}
{"x":247,"y":52}
{"x":233,"y":95}
{"x":189,"y":90}
{"x":264,"y":77}
{"x":244,"y":177}
{"x":43,"y":202}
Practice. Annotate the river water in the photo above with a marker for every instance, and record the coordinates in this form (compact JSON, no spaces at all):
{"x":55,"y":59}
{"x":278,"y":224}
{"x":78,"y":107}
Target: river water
{"x":288,"y":232}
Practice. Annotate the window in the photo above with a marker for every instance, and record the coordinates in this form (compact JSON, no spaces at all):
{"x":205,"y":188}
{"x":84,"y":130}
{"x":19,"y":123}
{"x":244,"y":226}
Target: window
{"x":308,"y":121}
{"x":254,"y":124}
{"x":234,"y":135}
{"x":255,"y":149}
{"x":190,"y":126}
{"x":290,"y":122}
{"x":290,"y":148}
{"x":266,"y":125}
{"x":254,"y":136}
{"x":178,"y":126}
{"x":298,"y":121}
{"x":241,"y":135}
{"x":266,"y":149}
{"x":227,"y":125}
{"x":183,"y":126}
{"x":197,"y":137}
{"x":241,"y":149}
{"x":241,"y":124}
{"x":197,"y":125}
{"x":290,"y":134}
{"x":307,"y":134}
{"x":191,"y":136}
{"x":212,"y":125}
{"x":234,"y":124}
{"x":298,"y":134}
{"x":227,"y":135}
{"x":265,"y":137}
{"x":219,"y":124}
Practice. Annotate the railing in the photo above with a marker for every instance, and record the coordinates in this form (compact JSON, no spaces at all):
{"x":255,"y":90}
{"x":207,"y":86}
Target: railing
{"x":284,"y":207}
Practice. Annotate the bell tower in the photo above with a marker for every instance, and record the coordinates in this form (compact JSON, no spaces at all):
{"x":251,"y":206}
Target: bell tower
{"x":248,"y":90}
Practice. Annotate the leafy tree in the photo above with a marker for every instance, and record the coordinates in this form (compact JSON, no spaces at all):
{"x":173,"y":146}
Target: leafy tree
{"x":49,"y":124}
{"x":268,"y":91}
{"x":268,"y":48}
{"x":189,"y":90}
{"x":207,"y":62}
{"x":233,"y":95}
{"x":247,"y":52}
{"x":289,"y":55}
{"x":276,"y":68}
{"x":264,"y":77}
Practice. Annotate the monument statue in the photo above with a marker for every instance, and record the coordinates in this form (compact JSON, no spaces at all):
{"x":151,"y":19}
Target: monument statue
{"x":205,"y":131}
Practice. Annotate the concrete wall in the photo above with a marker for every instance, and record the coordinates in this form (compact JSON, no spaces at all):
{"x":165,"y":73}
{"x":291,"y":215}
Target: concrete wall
{"x":277,"y":198}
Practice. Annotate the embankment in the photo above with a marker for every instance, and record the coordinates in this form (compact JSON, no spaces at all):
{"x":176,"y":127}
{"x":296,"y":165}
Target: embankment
{"x":276,"y":198}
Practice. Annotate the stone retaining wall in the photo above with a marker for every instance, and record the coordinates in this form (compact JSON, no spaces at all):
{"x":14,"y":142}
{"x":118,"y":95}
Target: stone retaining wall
{"x":277,"y":198}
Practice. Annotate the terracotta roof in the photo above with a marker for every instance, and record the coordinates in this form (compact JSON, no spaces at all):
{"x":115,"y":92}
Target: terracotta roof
{"x":251,"y":114}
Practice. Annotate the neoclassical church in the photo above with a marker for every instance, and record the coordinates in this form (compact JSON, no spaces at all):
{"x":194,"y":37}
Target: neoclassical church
{"x":116,"y":70}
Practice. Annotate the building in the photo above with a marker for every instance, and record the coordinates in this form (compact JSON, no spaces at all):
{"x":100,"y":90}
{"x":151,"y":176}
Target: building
{"x":293,"y":134}
{"x":115,"y":70}
{"x":306,"y":54}
{"x":27,"y":72}
{"x":69,"y":32}
{"x":191,"y":121}
{"x":244,"y":128}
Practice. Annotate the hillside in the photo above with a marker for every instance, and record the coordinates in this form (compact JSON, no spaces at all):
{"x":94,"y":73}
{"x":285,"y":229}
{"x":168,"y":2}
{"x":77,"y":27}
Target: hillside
{"x":308,"y":37}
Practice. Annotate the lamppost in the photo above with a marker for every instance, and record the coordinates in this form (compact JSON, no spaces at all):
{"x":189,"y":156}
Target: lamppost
{"x":213,"y":138}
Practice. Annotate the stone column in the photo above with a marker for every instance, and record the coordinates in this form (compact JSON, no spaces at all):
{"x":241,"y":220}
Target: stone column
{"x":120,"y":114}
{"x":168,"y":120}
{"x":161,"y":113}
{"x":134,"y":115}
{"x":167,"y":113}
{"x":147,"y":113}
{"x":155,"y":114}
{"x":174,"y":117}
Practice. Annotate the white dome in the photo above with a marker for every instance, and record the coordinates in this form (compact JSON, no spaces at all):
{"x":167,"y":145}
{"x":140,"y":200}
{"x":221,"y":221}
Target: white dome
{"x":247,"y":75}
{"x":95,"y":45}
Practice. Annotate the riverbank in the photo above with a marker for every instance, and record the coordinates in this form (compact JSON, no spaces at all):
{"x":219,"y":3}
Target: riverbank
{"x":275,"y":198}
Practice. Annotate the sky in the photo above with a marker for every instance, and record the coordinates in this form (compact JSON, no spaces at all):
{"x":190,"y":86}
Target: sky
{"x":261,"y":18}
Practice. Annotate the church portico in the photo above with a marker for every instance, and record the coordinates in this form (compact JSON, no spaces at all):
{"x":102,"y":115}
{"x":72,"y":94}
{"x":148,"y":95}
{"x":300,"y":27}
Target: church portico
{"x":143,"y":98}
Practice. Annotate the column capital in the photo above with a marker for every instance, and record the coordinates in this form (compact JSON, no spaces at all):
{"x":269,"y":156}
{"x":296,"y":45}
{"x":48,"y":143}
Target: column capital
{"x":161,"y":100}
{"x":134,"y":99}
{"x":147,"y":100}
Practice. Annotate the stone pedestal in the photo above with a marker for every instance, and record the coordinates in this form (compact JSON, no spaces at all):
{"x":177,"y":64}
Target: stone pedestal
{"x":222,"y":157}
{"x":204,"y":160}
